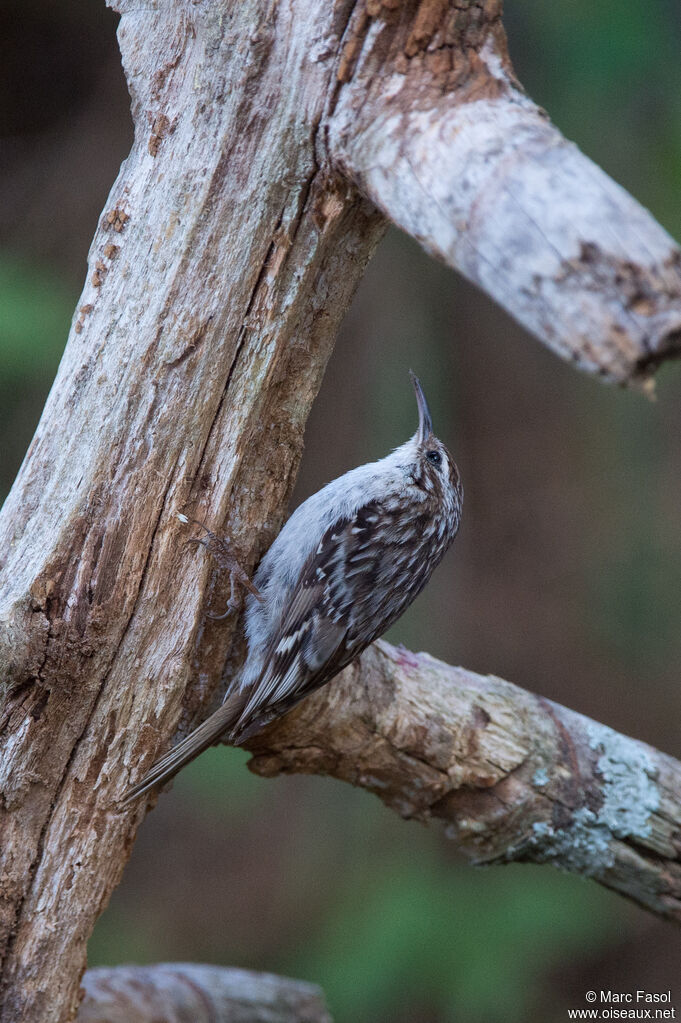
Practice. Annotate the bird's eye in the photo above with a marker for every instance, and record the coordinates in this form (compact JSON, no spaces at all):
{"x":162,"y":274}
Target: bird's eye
{"x":434,"y":456}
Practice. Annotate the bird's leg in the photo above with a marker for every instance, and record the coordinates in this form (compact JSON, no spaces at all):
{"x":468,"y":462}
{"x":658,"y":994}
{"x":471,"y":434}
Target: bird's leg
{"x":221,"y":549}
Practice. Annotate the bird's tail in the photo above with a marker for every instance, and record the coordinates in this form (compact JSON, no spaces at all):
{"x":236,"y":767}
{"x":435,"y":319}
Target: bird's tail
{"x":224,"y":719}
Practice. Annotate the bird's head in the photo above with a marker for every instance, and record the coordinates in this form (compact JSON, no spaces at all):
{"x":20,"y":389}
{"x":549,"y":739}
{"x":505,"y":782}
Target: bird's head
{"x":433,"y":469}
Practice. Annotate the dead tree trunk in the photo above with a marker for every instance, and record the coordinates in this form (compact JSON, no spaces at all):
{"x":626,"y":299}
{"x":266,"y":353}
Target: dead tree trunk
{"x":268,"y":137}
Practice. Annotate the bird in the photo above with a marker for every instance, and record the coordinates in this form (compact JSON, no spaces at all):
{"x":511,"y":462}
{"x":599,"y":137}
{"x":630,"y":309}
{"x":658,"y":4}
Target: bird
{"x":346,"y":564}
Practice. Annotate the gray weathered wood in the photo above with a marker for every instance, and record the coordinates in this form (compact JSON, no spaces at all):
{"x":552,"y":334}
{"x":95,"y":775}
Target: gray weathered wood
{"x":218,"y":275}
{"x":512,"y":775}
{"x":432,"y":124}
{"x":228,"y":252}
{"x":194,"y":993}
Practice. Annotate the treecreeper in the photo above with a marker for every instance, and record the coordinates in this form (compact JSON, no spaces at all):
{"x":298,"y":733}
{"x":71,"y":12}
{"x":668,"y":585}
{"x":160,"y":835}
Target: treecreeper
{"x":344,"y":567}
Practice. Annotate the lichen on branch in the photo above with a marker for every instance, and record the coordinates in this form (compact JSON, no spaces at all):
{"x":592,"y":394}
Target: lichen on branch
{"x":511,"y":775}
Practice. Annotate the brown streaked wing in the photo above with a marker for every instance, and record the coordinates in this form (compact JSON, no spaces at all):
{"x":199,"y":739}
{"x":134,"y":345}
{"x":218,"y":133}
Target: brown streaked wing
{"x":311,"y":645}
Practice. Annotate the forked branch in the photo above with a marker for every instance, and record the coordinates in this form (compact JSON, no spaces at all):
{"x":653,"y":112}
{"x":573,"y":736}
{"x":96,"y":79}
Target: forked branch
{"x":229,"y":250}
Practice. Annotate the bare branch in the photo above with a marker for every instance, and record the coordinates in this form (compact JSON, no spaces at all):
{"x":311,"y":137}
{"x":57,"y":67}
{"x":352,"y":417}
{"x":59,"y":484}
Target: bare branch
{"x":177,"y":992}
{"x":228,"y":252}
{"x":434,"y":128}
{"x":512,"y":775}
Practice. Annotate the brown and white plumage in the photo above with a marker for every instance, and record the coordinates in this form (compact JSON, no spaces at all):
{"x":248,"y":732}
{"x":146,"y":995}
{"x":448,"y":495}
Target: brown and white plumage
{"x":344,"y":567}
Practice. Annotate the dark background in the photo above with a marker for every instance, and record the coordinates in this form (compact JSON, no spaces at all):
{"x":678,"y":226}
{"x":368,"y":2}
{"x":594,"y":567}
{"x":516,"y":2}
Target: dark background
{"x":565,"y":577}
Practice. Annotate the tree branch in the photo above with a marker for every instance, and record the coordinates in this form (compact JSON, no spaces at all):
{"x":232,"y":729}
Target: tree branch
{"x":177,"y":992}
{"x":512,"y":775}
{"x":228,"y":252}
{"x":432,"y":125}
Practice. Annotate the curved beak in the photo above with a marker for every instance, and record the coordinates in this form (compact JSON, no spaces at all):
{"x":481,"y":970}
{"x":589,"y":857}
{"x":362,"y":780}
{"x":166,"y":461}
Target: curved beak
{"x":425,"y":422}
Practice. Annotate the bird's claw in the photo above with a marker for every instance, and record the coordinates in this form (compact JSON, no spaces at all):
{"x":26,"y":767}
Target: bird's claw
{"x":232,"y":606}
{"x":221,"y":549}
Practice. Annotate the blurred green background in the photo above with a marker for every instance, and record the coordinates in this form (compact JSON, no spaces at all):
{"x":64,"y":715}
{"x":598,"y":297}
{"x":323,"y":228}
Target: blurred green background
{"x":565,"y":577}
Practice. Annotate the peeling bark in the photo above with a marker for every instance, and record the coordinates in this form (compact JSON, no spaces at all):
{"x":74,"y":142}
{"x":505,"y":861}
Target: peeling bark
{"x":511,"y":775}
{"x":192,"y":993}
{"x":227,"y":254}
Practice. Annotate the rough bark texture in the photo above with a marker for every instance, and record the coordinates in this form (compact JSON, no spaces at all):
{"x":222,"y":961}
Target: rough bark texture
{"x":228,"y":252}
{"x":218,"y":276}
{"x":192,"y":993}
{"x":433,"y":126}
{"x":512,"y":775}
